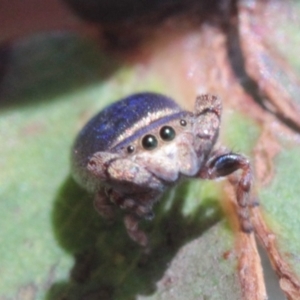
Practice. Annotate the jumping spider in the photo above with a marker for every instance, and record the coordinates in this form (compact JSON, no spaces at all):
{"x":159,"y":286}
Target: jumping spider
{"x":130,"y":152}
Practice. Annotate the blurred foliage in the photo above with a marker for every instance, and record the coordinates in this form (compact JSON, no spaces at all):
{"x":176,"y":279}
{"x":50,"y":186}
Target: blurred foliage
{"x":53,"y":243}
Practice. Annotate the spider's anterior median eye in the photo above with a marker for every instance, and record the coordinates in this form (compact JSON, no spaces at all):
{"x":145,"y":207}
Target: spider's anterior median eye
{"x":149,"y":142}
{"x":167,"y":133}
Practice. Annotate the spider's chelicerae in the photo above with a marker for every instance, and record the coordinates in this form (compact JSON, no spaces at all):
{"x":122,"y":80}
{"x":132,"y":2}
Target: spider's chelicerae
{"x":130,"y":152}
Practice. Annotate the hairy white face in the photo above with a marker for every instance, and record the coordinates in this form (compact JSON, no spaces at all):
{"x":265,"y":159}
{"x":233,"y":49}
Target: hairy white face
{"x":166,"y":151}
{"x":171,"y":159}
{"x":177,"y":147}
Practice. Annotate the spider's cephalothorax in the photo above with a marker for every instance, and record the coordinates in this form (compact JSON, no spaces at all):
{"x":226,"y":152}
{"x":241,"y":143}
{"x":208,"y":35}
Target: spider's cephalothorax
{"x":134,"y":149}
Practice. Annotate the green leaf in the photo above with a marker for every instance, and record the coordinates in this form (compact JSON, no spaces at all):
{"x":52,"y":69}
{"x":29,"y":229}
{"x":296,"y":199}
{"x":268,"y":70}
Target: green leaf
{"x":53,"y":241}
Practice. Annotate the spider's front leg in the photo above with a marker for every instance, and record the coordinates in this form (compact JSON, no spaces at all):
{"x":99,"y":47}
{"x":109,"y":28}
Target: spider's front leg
{"x":136,"y":210}
{"x":130,"y":186}
{"x":222,"y":165}
{"x":103,"y":204}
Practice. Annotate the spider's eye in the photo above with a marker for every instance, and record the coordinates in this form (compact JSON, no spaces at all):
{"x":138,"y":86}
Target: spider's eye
{"x":130,"y":149}
{"x":183,"y":122}
{"x":167,"y":133}
{"x":149,"y":142}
